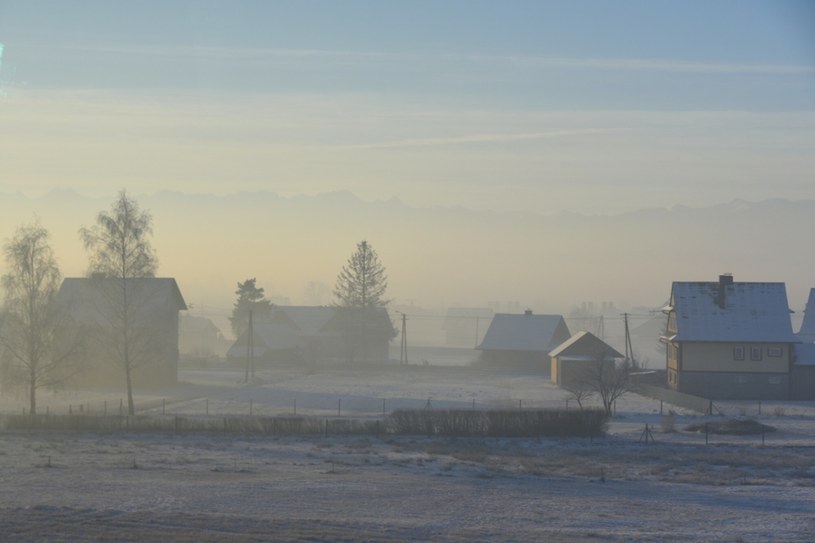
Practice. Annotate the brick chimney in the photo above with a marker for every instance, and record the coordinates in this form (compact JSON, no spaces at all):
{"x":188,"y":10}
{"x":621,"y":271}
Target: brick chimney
{"x":724,"y":280}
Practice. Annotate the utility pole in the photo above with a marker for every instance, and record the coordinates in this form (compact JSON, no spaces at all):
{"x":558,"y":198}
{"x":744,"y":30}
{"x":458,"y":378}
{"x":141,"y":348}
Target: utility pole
{"x":403,"y":356}
{"x":601,"y":328}
{"x":250,"y":349}
{"x":629,"y":350}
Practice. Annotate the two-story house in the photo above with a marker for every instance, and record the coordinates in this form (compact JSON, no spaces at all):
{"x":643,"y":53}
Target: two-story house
{"x":729,"y":340}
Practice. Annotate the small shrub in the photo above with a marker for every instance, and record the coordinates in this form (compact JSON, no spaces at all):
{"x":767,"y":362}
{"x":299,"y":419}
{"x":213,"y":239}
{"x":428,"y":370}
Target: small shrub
{"x":668,"y":423}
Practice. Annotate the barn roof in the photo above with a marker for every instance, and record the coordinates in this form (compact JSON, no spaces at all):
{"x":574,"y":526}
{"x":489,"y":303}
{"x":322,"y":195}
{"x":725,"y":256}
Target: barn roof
{"x":585,"y":345}
{"x":730,"y":311}
{"x":527,"y":332}
{"x":89,"y":298}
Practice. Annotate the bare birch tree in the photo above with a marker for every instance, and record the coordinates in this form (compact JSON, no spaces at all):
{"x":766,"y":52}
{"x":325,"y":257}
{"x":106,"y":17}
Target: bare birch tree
{"x":28,"y":334}
{"x":121,"y":252}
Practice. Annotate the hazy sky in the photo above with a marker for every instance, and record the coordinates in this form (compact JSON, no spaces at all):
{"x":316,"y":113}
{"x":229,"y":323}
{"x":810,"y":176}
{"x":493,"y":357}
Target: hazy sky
{"x":526,"y":105}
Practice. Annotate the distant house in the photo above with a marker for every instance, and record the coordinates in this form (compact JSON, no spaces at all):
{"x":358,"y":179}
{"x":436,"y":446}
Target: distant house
{"x":578,"y":356}
{"x":199,"y":337}
{"x":95,"y":307}
{"x":522,"y":341}
{"x":729,"y":340}
{"x":465,"y":326}
{"x":314,"y":334}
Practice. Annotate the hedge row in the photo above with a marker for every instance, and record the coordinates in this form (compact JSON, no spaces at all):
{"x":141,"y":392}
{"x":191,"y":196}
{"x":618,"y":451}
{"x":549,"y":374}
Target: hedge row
{"x":499,"y":423}
{"x":450,"y":422}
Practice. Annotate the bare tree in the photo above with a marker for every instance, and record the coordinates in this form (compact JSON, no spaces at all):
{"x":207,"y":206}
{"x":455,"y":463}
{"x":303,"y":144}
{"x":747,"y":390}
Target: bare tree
{"x":121,"y":251}
{"x":579,"y":390}
{"x":605,"y":378}
{"x":29,"y":330}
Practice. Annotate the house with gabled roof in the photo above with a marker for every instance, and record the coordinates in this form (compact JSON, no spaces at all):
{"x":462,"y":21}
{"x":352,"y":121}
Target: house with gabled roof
{"x":579,"y":356}
{"x":314,"y":334}
{"x":95,"y":307}
{"x":729,"y":340}
{"x":522,"y":341}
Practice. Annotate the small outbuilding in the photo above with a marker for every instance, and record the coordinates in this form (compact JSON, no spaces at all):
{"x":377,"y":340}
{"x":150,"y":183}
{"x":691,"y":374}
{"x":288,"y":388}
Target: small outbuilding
{"x":579,"y":356}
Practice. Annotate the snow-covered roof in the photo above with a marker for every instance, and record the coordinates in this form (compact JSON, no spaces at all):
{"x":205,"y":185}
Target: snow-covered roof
{"x":807,"y":331}
{"x":526,"y":332}
{"x":585,"y":345}
{"x":748,"y":312}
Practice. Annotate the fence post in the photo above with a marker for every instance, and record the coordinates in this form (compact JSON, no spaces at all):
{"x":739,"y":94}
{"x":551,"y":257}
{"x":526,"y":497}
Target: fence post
{"x":250,"y":408}
{"x":383,"y":407}
{"x":326,"y":427}
{"x":706,"y":433}
{"x":206,"y":406}
{"x":759,"y":408}
{"x":660,"y":407}
{"x":339,"y":407}
{"x":295,"y":407}
{"x":163,"y":406}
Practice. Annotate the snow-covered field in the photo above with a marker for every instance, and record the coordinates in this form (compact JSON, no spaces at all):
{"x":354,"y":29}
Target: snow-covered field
{"x":215,"y":487}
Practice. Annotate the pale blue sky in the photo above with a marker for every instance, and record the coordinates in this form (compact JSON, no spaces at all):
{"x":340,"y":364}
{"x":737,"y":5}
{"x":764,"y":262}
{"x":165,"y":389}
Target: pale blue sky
{"x":578,"y":105}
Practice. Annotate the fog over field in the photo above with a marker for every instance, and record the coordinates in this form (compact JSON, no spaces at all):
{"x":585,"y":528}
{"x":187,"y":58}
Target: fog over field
{"x":265,"y":210}
{"x":439,"y":257}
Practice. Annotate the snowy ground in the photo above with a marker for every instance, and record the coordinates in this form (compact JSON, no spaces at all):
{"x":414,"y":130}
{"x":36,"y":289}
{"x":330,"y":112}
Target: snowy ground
{"x":165,"y":487}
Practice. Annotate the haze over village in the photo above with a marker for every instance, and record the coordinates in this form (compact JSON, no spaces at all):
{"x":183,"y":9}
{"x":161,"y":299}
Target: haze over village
{"x":441,"y":270}
{"x":440,"y":257}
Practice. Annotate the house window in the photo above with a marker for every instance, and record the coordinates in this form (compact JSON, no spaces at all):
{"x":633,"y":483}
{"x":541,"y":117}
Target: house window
{"x":741,"y":379}
{"x":774,"y":380}
{"x":775,"y":352}
{"x":755,"y":353}
{"x":738,"y":353}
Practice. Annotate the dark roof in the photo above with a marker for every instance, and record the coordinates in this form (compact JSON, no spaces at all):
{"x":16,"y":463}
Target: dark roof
{"x":526,"y":332}
{"x":756,"y":312}
{"x":287,"y":327}
{"x":86,"y":298}
{"x":266,"y":337}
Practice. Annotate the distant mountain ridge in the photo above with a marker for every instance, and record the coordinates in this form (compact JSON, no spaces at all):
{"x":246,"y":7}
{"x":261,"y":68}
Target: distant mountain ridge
{"x":445,"y":255}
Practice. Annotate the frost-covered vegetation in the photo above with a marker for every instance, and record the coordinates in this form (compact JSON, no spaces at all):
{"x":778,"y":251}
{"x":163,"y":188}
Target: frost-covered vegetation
{"x":215,"y":486}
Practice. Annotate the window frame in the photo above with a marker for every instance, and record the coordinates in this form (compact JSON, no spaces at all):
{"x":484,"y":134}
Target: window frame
{"x":775,"y":352}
